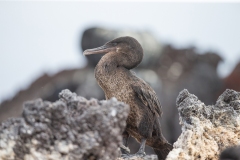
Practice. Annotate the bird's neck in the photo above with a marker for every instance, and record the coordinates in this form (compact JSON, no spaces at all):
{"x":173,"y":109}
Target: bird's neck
{"x":105,"y":71}
{"x":113,"y":68}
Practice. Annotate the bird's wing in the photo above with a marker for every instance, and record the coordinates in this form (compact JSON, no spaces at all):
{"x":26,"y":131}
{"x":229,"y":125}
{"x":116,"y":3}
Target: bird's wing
{"x":146,"y":95}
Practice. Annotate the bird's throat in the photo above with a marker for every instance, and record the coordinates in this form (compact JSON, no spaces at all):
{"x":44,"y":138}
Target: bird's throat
{"x":105,"y":73}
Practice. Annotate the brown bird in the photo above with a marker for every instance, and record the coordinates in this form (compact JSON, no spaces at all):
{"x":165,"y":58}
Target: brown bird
{"x":113,"y":74}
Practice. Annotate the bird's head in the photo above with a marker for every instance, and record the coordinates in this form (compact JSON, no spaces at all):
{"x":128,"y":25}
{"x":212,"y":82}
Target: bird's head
{"x":126,"y":51}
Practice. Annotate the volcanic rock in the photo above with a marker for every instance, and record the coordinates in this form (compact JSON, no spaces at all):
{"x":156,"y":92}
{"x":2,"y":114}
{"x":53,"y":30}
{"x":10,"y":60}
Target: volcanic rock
{"x":206,"y":130}
{"x":70,"y":128}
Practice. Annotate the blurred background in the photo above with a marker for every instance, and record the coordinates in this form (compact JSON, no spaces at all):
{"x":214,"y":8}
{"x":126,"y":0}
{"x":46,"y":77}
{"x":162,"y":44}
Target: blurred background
{"x":187,"y":45}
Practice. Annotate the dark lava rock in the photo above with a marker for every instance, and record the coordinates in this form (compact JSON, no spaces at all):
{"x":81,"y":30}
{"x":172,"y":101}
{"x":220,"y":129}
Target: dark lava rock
{"x":70,"y":128}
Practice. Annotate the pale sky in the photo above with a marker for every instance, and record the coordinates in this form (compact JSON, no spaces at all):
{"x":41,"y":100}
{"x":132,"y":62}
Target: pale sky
{"x":44,"y":37}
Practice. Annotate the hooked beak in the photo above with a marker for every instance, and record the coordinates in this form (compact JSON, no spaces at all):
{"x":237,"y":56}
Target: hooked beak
{"x":98,"y":50}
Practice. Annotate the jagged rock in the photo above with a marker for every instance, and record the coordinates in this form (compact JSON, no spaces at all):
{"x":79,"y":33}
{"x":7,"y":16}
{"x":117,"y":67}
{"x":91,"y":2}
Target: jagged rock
{"x":206,"y":130}
{"x":70,"y":128}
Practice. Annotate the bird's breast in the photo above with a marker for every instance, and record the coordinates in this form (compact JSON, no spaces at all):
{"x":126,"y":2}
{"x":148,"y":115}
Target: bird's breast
{"x":114,"y":82}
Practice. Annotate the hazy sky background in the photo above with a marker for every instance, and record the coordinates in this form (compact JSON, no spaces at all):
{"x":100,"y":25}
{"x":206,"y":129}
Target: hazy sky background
{"x":44,"y":37}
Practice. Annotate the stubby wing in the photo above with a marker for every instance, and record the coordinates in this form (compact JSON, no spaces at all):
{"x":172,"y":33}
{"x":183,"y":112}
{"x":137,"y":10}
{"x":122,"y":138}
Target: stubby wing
{"x":148,"y":97}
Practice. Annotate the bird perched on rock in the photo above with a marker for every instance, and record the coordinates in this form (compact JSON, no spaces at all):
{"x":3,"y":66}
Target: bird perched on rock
{"x":113,"y":74}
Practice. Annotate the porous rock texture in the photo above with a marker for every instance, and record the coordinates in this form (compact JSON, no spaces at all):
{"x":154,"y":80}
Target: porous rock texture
{"x":70,"y":128}
{"x":206,"y":130}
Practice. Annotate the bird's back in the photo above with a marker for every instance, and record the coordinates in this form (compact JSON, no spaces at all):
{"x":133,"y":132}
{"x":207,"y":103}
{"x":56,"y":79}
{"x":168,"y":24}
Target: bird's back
{"x":146,"y":95}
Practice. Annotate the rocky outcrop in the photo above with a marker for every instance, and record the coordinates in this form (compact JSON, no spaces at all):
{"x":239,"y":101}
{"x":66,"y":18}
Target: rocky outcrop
{"x":206,"y":130}
{"x":70,"y":128}
{"x":76,"y":128}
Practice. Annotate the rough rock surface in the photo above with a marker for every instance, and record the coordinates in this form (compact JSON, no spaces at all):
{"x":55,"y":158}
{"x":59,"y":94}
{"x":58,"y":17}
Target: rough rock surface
{"x":206,"y":130}
{"x":70,"y":128}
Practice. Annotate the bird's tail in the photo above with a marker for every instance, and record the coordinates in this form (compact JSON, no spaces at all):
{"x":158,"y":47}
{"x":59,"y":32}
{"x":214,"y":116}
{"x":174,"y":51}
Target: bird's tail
{"x":163,"y":151}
